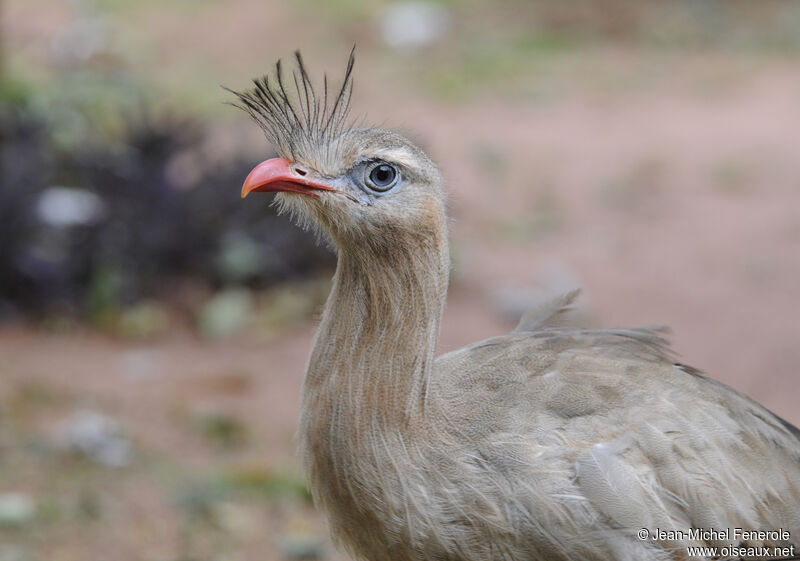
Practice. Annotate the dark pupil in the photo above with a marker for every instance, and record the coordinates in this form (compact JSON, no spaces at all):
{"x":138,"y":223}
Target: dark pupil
{"x":382,"y":175}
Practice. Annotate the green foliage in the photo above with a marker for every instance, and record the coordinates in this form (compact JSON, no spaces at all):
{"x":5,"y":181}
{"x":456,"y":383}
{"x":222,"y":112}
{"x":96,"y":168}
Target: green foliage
{"x":222,"y":429}
{"x":265,"y":482}
{"x":200,"y":498}
{"x":225,"y":314}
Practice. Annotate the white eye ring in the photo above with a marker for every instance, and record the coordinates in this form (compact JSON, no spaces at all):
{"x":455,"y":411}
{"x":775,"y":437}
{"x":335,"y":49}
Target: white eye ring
{"x":381,"y":176}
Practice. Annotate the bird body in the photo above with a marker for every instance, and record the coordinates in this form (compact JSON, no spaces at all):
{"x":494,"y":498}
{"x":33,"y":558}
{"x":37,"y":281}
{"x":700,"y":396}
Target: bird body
{"x":548,"y":443}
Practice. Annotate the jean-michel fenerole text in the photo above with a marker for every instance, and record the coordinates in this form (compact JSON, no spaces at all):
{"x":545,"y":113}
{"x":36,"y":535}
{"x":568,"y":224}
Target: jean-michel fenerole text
{"x":721,"y":534}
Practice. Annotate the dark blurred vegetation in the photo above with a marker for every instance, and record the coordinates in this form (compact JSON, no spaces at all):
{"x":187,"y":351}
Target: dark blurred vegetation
{"x":92,"y":225}
{"x":109,"y":198}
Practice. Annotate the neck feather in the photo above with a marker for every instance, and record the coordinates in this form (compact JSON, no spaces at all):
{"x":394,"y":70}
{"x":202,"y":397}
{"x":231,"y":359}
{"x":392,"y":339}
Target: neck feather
{"x":365,"y":395}
{"x":374,"y":351}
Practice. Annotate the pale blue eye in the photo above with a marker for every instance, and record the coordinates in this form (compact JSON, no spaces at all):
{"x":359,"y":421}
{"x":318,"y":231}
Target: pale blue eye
{"x":381,"y":176}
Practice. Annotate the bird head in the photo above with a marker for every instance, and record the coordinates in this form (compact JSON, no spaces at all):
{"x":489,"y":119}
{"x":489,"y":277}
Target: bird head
{"x":368,"y":187}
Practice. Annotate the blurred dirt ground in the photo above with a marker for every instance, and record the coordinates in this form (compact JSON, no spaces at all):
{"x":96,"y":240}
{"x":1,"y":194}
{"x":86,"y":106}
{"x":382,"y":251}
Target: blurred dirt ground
{"x":666,"y":183}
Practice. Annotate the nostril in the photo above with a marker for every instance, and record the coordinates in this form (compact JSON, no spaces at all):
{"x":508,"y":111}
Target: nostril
{"x":300,"y":171}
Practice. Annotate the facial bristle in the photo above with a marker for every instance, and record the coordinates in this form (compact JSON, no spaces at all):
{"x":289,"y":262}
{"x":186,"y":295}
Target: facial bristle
{"x":297,"y":122}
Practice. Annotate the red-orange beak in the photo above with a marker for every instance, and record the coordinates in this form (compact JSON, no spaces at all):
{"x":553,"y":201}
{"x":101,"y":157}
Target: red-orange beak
{"x":278,"y":175}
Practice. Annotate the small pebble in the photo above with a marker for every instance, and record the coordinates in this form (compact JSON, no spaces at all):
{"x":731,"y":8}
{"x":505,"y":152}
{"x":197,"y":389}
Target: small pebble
{"x":16,"y":509}
{"x":96,"y":436}
{"x":406,"y":26}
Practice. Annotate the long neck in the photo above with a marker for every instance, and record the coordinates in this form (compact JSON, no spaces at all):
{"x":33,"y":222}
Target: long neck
{"x":374,"y":351}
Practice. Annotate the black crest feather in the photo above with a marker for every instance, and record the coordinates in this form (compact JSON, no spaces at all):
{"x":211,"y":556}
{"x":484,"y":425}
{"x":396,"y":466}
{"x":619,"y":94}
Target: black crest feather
{"x":298,"y":122}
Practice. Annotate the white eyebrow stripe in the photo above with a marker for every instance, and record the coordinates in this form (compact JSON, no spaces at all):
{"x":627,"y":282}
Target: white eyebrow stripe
{"x":398,"y":154}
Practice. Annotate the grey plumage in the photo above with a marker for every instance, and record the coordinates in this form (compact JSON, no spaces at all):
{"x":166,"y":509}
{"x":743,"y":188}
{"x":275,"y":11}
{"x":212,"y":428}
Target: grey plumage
{"x":548,"y":443}
{"x":547,"y":311}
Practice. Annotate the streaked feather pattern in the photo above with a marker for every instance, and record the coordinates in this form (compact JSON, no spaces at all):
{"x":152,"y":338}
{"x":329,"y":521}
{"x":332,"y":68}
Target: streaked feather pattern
{"x":299,"y":123}
{"x":545,"y":444}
